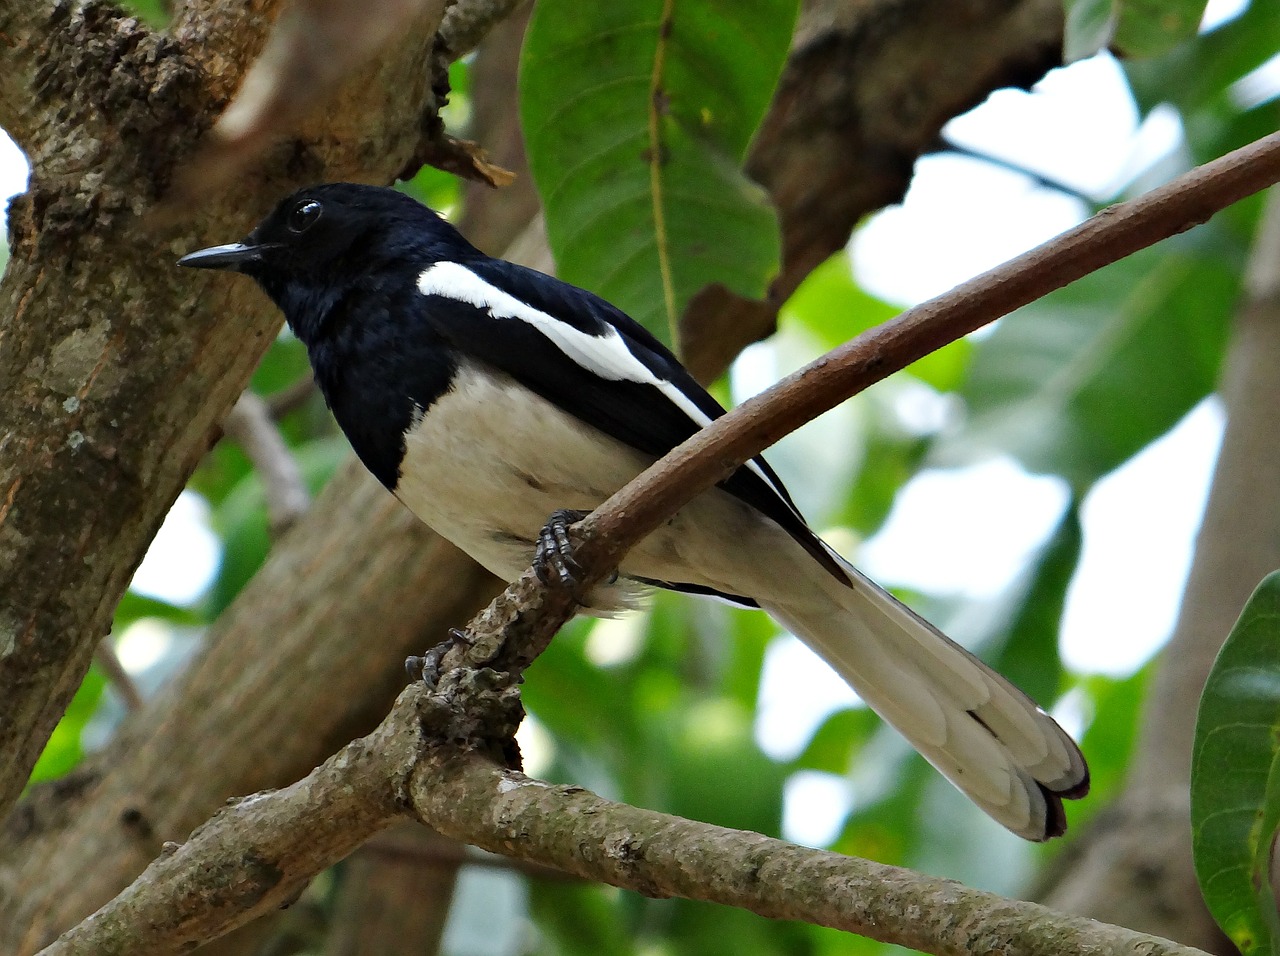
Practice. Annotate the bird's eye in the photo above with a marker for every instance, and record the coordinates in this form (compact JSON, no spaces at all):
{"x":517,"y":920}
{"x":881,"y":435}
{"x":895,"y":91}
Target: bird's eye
{"x":304,"y":215}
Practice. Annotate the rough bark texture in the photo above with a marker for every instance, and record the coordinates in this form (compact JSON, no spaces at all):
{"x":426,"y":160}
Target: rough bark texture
{"x":157,"y":787}
{"x":116,"y":366}
{"x":42,"y":878}
{"x":660,"y":855}
{"x":250,"y":857}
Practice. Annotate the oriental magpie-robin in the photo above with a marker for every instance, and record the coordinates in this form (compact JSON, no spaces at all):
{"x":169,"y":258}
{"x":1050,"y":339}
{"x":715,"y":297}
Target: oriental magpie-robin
{"x":488,"y":396}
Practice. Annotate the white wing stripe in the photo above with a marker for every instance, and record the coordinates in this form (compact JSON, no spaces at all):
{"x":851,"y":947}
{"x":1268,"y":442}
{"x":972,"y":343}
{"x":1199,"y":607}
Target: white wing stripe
{"x":604,"y":355}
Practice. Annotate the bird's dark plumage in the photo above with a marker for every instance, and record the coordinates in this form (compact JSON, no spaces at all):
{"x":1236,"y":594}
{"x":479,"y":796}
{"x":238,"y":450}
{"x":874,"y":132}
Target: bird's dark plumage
{"x":487,"y":396}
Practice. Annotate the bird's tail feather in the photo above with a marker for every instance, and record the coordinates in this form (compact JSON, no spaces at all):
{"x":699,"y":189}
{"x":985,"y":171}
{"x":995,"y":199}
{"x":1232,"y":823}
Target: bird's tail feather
{"x":982,"y":733}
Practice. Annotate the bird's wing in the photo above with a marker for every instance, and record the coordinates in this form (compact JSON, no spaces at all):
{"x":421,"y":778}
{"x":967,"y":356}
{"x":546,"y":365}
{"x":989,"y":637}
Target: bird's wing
{"x":596,"y":363}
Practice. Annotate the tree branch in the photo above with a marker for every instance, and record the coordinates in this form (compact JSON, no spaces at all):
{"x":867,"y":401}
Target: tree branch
{"x":660,"y":855}
{"x":257,"y":853}
{"x":253,"y":855}
{"x":1115,"y":232}
{"x":280,"y":684}
{"x":470,"y":708}
{"x":468,"y":22}
{"x":860,"y":100}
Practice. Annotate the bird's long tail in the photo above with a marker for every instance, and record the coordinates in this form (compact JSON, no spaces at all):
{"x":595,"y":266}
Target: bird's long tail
{"x":984,"y":735}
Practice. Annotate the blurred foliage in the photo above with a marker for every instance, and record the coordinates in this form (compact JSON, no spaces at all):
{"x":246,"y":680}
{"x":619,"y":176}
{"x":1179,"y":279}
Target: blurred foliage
{"x":65,"y":748}
{"x":1144,"y":335}
{"x":158,"y":13}
{"x":1235,"y":789}
{"x":660,"y":709}
{"x":1130,"y":28}
{"x":636,"y":123}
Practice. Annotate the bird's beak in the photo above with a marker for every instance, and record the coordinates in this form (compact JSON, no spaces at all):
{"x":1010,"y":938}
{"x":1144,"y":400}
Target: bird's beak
{"x":233,"y":257}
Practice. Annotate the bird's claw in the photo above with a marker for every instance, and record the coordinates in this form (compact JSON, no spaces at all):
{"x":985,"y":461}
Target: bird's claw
{"x":427,"y":667}
{"x":553,"y":558}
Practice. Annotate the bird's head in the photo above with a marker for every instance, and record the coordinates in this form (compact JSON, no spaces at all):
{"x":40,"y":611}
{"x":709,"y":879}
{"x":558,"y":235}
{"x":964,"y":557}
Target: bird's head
{"x":321,"y":240}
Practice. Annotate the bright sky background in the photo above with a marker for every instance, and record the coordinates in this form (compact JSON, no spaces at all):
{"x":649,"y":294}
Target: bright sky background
{"x":963,"y":532}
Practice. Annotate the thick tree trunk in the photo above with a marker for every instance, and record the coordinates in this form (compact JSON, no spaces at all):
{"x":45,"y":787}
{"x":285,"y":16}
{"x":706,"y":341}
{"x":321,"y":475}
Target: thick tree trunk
{"x":116,"y":366}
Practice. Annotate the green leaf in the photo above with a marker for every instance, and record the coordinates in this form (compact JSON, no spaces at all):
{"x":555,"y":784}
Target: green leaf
{"x":156,"y":13}
{"x":838,"y":740}
{"x":1090,"y":25}
{"x":1147,"y":28}
{"x":710,"y":745}
{"x":889,"y":461}
{"x":1030,"y":655}
{"x":1130,"y":28}
{"x":242,"y":519}
{"x":1235,"y":774}
{"x":134,"y":607}
{"x":1108,"y":743}
{"x":636,"y":118}
{"x":1080,"y":381}
{"x":64,"y":750}
{"x":1195,"y":77}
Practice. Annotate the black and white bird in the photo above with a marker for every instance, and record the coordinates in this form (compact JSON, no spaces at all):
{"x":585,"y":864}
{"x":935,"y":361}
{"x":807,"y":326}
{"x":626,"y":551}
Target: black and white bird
{"x":487,"y":396}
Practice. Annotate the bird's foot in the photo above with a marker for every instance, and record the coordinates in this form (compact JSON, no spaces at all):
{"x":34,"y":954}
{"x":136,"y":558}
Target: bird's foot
{"x":553,"y":559}
{"x":427,"y":667}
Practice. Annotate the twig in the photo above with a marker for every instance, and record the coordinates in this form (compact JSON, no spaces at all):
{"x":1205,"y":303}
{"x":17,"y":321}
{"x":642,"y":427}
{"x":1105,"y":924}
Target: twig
{"x":1115,"y":232}
{"x":119,"y":678}
{"x":250,"y":425}
{"x":431,"y":751}
{"x":467,"y":22}
{"x":291,"y":397}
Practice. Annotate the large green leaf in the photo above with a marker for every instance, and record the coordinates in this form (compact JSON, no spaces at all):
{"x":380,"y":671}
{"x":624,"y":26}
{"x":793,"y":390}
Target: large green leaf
{"x":1080,"y":381}
{"x":1029,"y":654}
{"x":636,"y":118}
{"x":1235,"y":774}
{"x":1196,"y":77}
{"x":1130,"y":28}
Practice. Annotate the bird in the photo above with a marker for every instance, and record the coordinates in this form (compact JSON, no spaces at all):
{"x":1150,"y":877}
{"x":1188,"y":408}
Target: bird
{"x":499,"y":403}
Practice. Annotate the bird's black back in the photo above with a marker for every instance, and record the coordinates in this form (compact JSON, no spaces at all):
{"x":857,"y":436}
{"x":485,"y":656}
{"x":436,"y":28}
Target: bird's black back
{"x":383,"y":351}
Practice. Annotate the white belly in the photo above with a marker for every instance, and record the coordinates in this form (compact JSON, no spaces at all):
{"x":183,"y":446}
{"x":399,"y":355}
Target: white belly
{"x":490,"y":461}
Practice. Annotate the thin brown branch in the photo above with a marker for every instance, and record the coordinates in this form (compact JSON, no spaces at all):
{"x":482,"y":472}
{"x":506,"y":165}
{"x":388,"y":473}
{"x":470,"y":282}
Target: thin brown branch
{"x":472,"y":707}
{"x":292,"y":397}
{"x":1115,"y":232}
{"x":249,"y":424}
{"x":117,"y":676}
{"x":468,"y":22}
